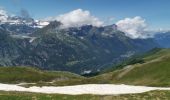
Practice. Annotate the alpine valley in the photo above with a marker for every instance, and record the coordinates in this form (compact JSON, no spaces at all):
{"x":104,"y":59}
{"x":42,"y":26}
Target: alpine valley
{"x":82,"y":50}
{"x":59,"y":50}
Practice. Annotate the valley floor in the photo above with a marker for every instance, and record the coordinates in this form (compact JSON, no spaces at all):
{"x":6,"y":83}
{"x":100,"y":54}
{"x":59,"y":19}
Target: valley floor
{"x":94,"y":89}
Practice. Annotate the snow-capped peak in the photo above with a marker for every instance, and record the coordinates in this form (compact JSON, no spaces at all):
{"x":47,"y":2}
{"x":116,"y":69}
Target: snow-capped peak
{"x":17,"y":20}
{"x":3,"y":15}
{"x":41,"y":24}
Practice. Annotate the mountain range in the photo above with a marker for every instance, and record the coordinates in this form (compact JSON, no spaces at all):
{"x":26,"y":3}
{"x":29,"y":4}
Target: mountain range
{"x":163,"y":38}
{"x":85,"y":49}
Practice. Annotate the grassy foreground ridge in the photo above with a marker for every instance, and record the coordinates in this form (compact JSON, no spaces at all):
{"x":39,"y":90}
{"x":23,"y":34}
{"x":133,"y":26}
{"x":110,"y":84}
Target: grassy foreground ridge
{"x":154,"y":71}
{"x":33,"y":75}
{"x":153,"y":95}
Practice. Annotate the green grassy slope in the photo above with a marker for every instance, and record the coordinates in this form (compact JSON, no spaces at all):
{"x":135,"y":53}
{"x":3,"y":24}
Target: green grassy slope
{"x":33,"y":75}
{"x":155,"y":71}
{"x":153,"y":95}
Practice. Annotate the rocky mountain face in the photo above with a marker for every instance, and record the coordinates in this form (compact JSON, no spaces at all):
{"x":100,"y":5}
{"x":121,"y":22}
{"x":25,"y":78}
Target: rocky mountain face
{"x":20,"y":25}
{"x":77,"y":49}
{"x":10,"y":48}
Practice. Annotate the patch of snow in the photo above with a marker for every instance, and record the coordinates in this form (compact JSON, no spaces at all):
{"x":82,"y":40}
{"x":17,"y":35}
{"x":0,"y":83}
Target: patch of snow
{"x":81,"y":37}
{"x":97,"y":89}
{"x":20,"y":84}
{"x":41,"y":24}
{"x":3,"y":16}
{"x":107,"y":35}
{"x":87,"y":72}
{"x":127,"y":54}
{"x":32,"y":39}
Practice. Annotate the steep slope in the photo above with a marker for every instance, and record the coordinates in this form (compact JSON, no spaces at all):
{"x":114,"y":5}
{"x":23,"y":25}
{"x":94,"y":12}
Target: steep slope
{"x":9,"y":49}
{"x":83,"y":49}
{"x":153,"y":72}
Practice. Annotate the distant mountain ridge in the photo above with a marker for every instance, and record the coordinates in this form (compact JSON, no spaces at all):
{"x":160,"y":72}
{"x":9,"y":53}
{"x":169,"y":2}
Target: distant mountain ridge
{"x":163,"y":39}
{"x":20,"y":25}
{"x":77,"y":49}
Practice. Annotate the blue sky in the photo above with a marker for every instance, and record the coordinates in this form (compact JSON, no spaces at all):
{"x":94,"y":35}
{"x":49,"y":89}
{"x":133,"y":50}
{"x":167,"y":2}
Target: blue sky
{"x":156,"y":12}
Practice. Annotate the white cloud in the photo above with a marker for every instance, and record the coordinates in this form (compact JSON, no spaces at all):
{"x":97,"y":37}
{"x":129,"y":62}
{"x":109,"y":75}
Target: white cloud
{"x":77,"y":18}
{"x":134,"y":27}
{"x":3,"y":15}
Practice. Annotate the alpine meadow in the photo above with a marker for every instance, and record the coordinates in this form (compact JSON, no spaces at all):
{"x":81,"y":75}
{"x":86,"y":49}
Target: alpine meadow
{"x":84,"y":50}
